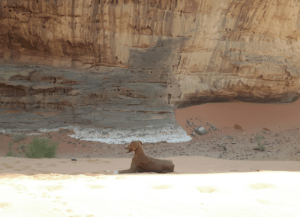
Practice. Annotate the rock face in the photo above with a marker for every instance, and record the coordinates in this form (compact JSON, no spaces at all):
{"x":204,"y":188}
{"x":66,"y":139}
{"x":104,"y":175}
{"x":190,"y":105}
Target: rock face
{"x":148,"y":55}
{"x":34,"y":97}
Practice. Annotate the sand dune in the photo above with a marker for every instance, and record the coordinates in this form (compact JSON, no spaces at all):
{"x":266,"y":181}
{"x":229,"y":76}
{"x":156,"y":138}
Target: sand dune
{"x":198,"y":187}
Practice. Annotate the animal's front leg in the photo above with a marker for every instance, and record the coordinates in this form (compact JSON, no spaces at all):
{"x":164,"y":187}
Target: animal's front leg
{"x":133,"y":169}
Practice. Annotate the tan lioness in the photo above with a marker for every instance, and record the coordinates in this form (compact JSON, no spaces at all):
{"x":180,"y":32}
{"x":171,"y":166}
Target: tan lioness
{"x":142,"y":163}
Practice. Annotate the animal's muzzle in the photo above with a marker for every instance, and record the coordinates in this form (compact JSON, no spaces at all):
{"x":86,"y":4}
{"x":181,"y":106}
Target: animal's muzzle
{"x":129,"y":150}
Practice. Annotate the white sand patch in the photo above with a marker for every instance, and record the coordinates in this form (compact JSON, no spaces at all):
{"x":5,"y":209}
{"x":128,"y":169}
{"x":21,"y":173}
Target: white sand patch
{"x":170,"y":133}
{"x":269,"y":194}
{"x":33,"y":134}
{"x":8,"y":131}
{"x":43,"y":130}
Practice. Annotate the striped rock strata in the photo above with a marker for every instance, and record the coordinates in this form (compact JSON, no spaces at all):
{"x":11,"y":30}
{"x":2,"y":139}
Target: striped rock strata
{"x":146,"y":56}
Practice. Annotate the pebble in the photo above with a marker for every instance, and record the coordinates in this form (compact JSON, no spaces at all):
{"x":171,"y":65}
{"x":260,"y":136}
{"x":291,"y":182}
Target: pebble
{"x":190,"y":123}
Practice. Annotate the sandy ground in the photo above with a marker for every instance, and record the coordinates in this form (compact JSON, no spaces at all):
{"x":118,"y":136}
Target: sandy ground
{"x":200,"y":186}
{"x":278,"y":123}
{"x":214,"y":176}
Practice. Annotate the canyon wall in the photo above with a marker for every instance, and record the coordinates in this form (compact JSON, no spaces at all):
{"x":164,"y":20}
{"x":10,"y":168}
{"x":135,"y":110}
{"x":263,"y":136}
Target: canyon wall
{"x":148,"y":54}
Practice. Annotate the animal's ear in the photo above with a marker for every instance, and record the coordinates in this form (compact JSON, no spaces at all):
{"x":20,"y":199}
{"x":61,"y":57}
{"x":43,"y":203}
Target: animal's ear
{"x":141,"y":143}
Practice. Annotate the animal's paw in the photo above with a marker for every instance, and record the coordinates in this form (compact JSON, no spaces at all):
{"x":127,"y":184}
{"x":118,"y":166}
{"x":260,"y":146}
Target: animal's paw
{"x":116,"y":172}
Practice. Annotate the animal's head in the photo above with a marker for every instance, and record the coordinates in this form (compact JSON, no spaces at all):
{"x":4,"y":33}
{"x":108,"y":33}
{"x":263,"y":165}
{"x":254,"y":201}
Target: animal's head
{"x":133,"y":146}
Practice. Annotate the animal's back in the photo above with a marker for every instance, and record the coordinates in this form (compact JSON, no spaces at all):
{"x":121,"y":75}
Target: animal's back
{"x":160,"y":165}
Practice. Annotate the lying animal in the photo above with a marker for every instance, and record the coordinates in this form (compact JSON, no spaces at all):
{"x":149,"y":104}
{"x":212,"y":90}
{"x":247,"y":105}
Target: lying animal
{"x":142,"y":163}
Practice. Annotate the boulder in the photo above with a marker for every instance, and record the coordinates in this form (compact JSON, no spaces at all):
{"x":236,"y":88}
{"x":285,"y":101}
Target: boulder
{"x":200,"y":130}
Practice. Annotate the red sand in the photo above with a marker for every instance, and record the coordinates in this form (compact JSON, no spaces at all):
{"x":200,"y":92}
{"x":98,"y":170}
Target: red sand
{"x":252,"y":117}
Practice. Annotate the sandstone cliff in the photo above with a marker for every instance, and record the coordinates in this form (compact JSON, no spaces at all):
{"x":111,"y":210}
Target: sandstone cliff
{"x":148,"y":54}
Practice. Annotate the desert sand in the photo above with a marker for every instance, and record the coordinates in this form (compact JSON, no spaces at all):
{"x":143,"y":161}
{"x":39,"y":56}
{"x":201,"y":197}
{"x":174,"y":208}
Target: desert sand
{"x":208,"y":180}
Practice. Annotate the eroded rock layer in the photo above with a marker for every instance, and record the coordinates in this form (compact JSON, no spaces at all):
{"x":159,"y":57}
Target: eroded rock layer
{"x":151,"y":54}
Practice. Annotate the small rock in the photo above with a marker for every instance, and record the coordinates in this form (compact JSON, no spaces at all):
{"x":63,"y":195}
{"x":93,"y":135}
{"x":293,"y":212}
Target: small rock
{"x":189,"y":145}
{"x":73,"y":159}
{"x":276,"y":134}
{"x":193,"y":133}
{"x":190,"y":123}
{"x":200,"y":130}
{"x":154,"y":151}
{"x":220,"y":156}
{"x":237,"y":127}
{"x":213,"y":127}
{"x":233,"y":142}
{"x":116,"y":172}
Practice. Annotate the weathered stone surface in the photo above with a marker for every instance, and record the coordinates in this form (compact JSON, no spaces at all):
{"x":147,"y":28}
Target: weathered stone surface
{"x":153,"y":55}
{"x":190,"y":123}
{"x":200,"y":130}
{"x":105,"y":105}
{"x":32,"y":87}
{"x":215,"y":49}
